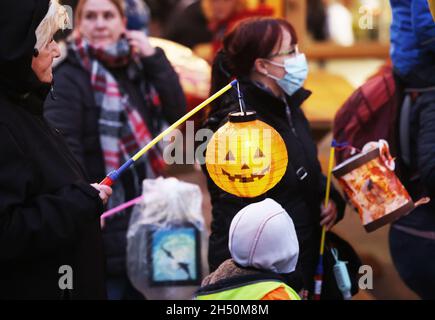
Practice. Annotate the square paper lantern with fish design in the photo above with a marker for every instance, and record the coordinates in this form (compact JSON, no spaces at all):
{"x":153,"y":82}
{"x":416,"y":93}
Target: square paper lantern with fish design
{"x":246,"y":157}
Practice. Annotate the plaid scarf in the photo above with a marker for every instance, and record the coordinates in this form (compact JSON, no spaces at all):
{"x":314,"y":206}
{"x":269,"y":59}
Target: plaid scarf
{"x":122,"y":129}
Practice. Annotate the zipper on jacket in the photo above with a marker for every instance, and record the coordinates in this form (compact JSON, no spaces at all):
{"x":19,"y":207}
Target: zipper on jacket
{"x":301,"y":173}
{"x":290,"y":119}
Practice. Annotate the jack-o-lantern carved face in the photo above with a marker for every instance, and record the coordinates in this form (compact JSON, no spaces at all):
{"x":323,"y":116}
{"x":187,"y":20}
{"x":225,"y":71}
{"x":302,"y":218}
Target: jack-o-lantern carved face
{"x":247,"y":158}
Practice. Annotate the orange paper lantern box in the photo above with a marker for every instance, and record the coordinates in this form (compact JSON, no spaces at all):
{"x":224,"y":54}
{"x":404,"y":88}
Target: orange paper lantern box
{"x":369,"y":181}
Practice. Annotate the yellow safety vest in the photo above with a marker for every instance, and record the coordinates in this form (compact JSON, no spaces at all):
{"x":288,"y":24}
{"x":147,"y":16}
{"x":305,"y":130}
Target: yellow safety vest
{"x":250,"y":291}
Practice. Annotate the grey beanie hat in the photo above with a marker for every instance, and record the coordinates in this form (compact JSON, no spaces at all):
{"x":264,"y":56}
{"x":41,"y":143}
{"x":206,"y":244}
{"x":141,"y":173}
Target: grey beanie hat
{"x":262,"y":235}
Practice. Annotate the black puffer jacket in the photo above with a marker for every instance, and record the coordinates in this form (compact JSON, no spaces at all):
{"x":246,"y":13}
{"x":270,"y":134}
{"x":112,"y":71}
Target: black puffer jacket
{"x":301,"y":199}
{"x":75,"y":113}
{"x":49,"y":214}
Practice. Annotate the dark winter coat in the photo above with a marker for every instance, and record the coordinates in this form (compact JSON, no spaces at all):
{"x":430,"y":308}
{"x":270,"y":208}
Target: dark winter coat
{"x":301,"y":199}
{"x":419,"y":177}
{"x":75,"y":113}
{"x":411,"y":238}
{"x":49,"y":214}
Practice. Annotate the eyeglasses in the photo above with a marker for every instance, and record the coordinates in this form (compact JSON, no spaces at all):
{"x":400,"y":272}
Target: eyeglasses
{"x":292,"y":52}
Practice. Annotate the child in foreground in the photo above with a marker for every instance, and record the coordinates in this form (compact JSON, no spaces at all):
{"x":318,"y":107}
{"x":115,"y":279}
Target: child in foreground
{"x":264,"y":251}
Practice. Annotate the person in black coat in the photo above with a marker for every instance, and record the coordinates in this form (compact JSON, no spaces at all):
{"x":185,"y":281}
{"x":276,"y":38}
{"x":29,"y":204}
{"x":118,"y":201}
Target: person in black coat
{"x":412,"y":237}
{"x":114,"y":88}
{"x":188,"y":27}
{"x":49,"y":214}
{"x":261,"y":63}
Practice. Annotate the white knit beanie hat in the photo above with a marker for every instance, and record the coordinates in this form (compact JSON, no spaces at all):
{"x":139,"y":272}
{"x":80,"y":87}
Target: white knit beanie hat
{"x":262,"y":235}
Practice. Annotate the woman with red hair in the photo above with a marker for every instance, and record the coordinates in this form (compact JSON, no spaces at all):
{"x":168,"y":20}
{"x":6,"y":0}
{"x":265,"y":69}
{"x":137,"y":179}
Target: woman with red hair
{"x":262,"y":53}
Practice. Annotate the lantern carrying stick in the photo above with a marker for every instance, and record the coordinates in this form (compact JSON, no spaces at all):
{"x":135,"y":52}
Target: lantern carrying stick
{"x":241,"y":101}
{"x":318,"y":278}
{"x":114,"y":175}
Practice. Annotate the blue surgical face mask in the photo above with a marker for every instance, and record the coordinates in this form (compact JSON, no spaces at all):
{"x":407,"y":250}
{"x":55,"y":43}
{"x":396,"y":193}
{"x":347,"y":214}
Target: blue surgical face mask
{"x":296,"y":71}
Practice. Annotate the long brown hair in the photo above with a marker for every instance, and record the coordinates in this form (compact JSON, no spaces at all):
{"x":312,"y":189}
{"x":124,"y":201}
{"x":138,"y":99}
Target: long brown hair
{"x":249,"y":40}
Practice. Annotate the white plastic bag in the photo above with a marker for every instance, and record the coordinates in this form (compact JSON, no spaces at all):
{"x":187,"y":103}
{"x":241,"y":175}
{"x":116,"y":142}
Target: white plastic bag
{"x":167,"y":241}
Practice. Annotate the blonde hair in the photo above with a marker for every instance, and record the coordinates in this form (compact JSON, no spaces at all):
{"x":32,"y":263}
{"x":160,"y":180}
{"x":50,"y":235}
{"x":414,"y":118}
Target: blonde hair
{"x":206,"y":8}
{"x":119,"y":4}
{"x":55,"y":19}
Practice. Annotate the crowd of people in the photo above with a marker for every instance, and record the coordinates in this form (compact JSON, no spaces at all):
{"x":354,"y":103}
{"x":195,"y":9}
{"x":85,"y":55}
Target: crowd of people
{"x":112,"y":92}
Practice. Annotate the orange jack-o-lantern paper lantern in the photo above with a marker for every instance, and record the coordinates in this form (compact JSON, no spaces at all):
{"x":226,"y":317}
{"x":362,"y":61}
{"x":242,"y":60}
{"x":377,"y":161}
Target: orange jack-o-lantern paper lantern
{"x":246,"y":157}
